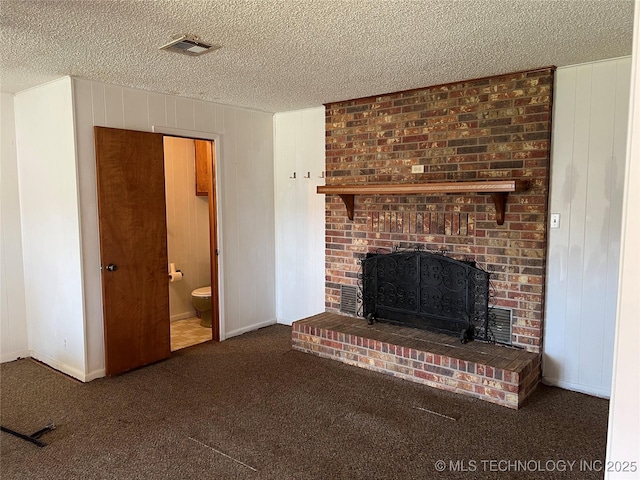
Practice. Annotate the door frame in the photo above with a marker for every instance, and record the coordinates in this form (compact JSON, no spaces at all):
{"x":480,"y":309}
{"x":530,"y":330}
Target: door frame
{"x":214,"y":243}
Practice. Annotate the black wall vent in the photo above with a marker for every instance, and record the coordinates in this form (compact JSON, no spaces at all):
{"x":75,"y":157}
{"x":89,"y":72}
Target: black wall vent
{"x":500,"y":324}
{"x":349,"y":299}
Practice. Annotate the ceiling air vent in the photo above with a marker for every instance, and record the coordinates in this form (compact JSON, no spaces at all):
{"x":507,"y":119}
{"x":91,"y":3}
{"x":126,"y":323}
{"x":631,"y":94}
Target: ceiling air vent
{"x":189,"y":45}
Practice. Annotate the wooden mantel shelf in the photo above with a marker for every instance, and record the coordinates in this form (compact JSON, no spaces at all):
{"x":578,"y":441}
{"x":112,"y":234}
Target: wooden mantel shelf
{"x":499,"y":190}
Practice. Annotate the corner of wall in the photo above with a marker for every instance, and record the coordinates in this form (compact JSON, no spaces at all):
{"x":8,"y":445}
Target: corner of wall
{"x":13,"y":322}
{"x":48,"y":186}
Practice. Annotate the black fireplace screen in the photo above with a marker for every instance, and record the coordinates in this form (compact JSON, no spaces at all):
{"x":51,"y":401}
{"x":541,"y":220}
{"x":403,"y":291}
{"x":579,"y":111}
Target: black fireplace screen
{"x":426,"y":290}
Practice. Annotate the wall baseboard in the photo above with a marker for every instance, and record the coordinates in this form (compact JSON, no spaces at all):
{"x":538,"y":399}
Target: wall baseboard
{"x":284,"y":321}
{"x":61,"y":367}
{"x":576,"y":387}
{"x":250,"y":328}
{"x":11,"y":356}
{"x":182,"y":316}
{"x":95,"y":374}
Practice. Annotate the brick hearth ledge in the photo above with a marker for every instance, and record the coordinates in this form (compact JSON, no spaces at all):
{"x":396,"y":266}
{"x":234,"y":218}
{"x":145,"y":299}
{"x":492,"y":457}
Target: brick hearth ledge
{"x":497,"y":374}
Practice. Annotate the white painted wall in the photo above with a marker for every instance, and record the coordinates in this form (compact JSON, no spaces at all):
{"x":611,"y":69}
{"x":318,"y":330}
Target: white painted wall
{"x":300,"y":213}
{"x":245,"y":197}
{"x":187,"y":226}
{"x":623,"y":442}
{"x":58,"y":201}
{"x":13,"y":317}
{"x":51,"y":226}
{"x":587,"y":174}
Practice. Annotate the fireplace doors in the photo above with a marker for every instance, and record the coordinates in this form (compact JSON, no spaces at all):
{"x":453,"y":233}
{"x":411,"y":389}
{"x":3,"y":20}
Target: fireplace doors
{"x":426,"y":290}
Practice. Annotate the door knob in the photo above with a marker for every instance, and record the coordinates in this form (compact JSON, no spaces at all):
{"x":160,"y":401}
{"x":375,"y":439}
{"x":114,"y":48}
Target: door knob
{"x":112,"y":267}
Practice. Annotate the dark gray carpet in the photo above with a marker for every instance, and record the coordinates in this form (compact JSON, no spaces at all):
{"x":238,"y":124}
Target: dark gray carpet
{"x":251,"y":408}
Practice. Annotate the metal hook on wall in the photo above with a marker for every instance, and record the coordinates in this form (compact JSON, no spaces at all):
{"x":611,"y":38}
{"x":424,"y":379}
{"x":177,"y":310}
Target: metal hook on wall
{"x":294,"y":175}
{"x":308,"y":175}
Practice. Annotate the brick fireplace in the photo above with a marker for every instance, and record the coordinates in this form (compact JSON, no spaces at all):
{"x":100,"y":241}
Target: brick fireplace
{"x":478,"y":130}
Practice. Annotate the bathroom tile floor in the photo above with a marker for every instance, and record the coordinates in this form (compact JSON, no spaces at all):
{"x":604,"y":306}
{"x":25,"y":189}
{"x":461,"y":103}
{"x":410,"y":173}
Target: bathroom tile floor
{"x":188,"y":332}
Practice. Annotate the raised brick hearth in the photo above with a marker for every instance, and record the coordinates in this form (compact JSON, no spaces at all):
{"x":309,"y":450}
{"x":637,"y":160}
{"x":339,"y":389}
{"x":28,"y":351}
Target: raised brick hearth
{"x":494,"y":373}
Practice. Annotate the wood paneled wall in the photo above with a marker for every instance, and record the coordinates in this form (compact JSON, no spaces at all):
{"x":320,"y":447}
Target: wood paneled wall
{"x":300,"y":260}
{"x":588,"y":156}
{"x":246,"y":198}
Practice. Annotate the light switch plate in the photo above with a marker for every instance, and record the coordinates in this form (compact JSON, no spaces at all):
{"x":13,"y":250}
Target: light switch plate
{"x":555,"y":220}
{"x":417,"y":168}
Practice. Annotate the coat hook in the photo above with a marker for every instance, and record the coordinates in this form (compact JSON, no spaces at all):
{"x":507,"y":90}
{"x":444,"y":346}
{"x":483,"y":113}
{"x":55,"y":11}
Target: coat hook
{"x":294,"y":175}
{"x":321,"y":175}
{"x":308,"y":175}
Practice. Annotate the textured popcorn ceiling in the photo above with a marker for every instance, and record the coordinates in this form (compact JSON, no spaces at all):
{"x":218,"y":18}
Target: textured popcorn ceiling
{"x":280,"y":55}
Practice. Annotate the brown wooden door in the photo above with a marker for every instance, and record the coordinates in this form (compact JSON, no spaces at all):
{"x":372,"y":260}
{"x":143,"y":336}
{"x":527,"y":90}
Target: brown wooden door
{"x":133,"y":237}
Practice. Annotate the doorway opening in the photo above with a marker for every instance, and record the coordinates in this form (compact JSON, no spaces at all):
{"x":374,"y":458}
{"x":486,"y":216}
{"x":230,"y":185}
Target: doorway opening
{"x":191,"y":240}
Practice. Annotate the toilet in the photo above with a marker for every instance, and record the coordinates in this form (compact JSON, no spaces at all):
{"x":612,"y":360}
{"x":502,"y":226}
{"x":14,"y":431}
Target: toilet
{"x":201,"y":299}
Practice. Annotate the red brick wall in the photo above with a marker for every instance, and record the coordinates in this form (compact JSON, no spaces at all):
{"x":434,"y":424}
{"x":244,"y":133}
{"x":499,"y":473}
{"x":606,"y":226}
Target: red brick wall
{"x":483,"y":129}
